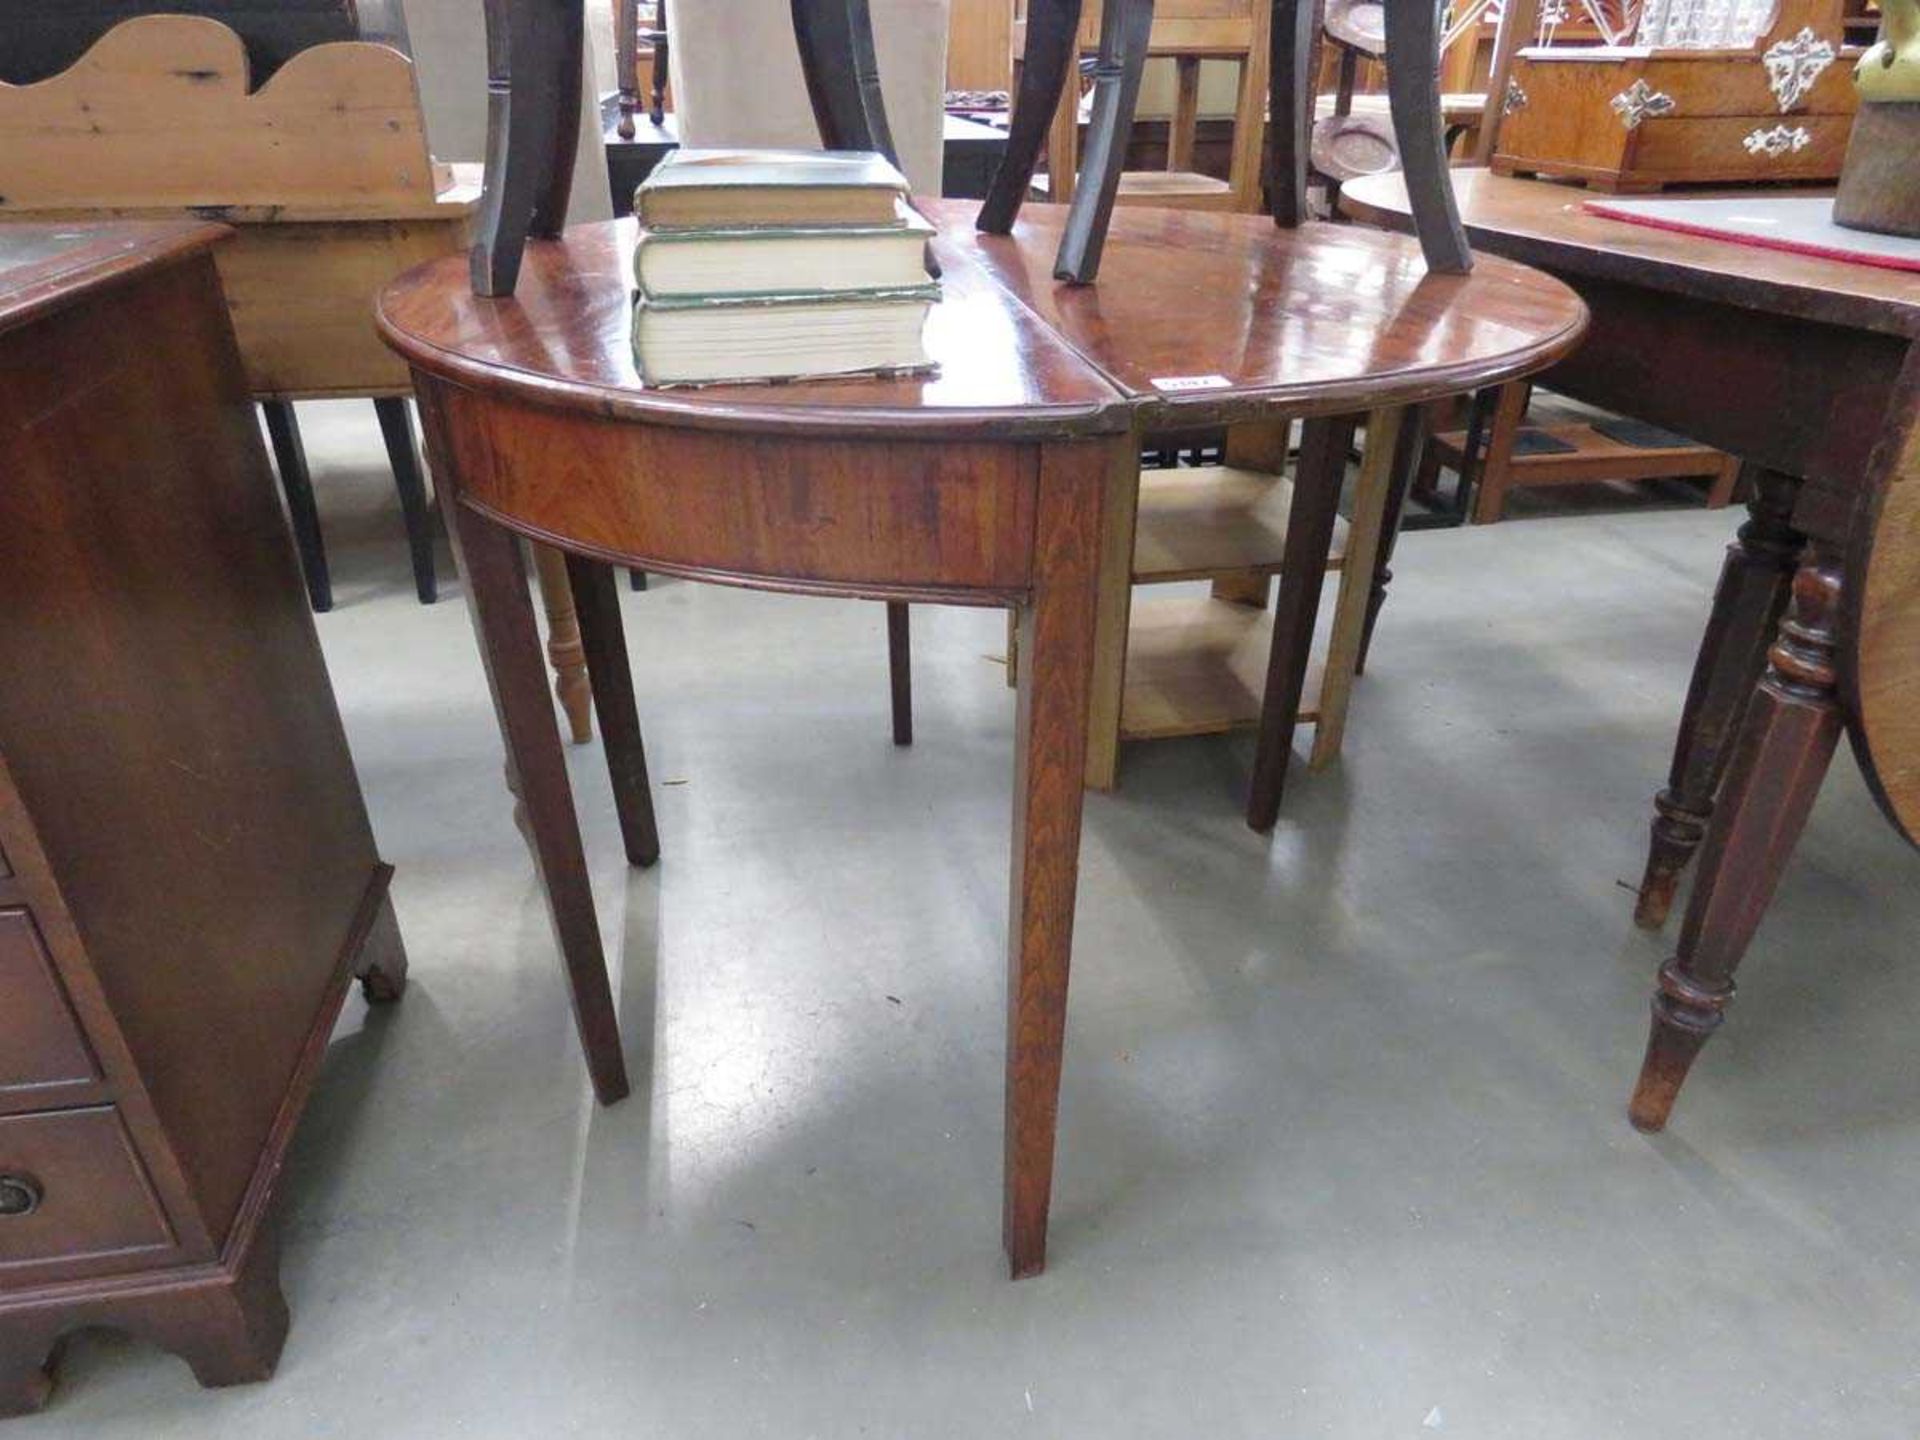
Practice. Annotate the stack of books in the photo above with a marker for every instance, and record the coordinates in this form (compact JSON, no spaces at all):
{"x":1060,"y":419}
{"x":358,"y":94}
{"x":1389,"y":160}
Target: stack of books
{"x":778,"y":265}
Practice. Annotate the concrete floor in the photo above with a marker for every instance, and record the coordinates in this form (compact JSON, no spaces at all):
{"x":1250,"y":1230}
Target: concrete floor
{"x":1343,"y":1148}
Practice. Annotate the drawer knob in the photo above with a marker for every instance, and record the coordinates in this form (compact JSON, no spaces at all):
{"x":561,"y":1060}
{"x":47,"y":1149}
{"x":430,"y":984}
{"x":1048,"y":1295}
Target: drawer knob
{"x":19,"y":1195}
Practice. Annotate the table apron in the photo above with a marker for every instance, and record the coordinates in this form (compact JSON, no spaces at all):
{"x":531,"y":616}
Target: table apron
{"x":948,"y":521}
{"x":1794,"y":395}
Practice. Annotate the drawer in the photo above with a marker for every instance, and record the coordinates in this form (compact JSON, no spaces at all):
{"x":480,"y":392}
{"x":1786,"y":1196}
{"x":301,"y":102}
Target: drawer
{"x":40,"y":1040}
{"x":71,"y":1187}
{"x":1742,"y":147}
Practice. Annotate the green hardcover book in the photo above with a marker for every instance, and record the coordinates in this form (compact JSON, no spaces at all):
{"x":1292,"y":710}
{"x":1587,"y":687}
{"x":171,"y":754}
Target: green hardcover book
{"x":738,"y":189}
{"x":699,"y":341}
{"x":769,"y":261}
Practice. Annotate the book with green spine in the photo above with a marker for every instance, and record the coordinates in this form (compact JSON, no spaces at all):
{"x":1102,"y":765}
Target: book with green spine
{"x":814,"y":335}
{"x":695,"y":189}
{"x":776,"y":261}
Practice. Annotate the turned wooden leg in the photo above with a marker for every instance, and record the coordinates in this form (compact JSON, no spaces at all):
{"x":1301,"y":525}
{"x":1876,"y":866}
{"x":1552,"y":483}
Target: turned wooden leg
{"x":1290,"y":98}
{"x":835,"y":40}
{"x":1413,"y":93}
{"x":571,"y":686}
{"x":604,"y":640}
{"x":1785,"y":743}
{"x":290,"y":458}
{"x":1045,"y":66}
{"x":1124,"y":29}
{"x":1050,"y":740}
{"x":403,"y":454}
{"x":626,"y":62}
{"x":535,"y":50}
{"x":510,"y":645}
{"x":1752,"y":593}
{"x":1409,"y":455}
{"x":1303,"y":568}
{"x":900,"y":671}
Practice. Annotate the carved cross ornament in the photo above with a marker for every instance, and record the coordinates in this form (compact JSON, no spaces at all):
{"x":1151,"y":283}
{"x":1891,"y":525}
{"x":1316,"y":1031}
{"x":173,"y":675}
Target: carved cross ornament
{"x":1793,"y":65}
{"x":1638,"y":101}
{"x":1778,"y":141}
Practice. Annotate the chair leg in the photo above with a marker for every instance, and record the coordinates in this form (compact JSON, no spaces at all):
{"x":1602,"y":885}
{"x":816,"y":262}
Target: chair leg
{"x":900,"y":671}
{"x":565,"y":651}
{"x":534,"y":52}
{"x":1290,"y":108}
{"x":1785,"y":746}
{"x":1413,"y":92}
{"x":835,"y":40}
{"x":1125,"y":26}
{"x":290,"y":457}
{"x":403,"y":453}
{"x":636,"y":580}
{"x":1495,"y":468}
{"x":1044,"y":71}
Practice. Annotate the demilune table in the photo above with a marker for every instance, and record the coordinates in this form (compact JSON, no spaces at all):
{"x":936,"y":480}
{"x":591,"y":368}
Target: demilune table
{"x":985,"y":484}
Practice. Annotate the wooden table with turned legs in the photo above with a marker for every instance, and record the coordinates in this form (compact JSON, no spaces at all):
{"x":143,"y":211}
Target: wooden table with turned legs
{"x":1808,"y":369}
{"x":1002,"y":480}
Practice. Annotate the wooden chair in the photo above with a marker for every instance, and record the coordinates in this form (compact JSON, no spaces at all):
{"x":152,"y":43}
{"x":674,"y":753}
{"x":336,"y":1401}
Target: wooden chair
{"x":628,"y":42}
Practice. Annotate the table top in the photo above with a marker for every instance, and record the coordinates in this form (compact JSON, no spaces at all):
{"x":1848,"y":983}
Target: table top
{"x":1541,"y":222}
{"x":1323,"y":319}
{"x":43,"y":265}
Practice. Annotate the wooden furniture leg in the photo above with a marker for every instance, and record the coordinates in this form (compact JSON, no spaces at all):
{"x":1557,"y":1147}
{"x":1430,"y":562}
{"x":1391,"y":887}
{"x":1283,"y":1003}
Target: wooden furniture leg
{"x":661,"y":41}
{"x":835,"y":38}
{"x":1290,"y":97}
{"x":1050,"y":737}
{"x":1046,"y":66}
{"x":571,"y":685}
{"x":510,"y":645}
{"x":1365,"y":541}
{"x":1125,"y":26}
{"x":1303,"y":567}
{"x":900,"y":670}
{"x":1747,"y":604}
{"x":626,"y":62}
{"x":1494,"y":472}
{"x":603,"y":638}
{"x":1407,"y":458}
{"x":1785,"y":744}
{"x":403,"y":454}
{"x":1413,"y":93}
{"x":534,"y":53}
{"x":290,"y":458}
{"x":1114,"y":620}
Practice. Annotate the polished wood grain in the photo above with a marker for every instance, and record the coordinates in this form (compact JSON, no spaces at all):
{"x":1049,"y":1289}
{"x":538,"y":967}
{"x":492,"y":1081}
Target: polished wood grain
{"x":195,"y":880}
{"x":1316,"y":320}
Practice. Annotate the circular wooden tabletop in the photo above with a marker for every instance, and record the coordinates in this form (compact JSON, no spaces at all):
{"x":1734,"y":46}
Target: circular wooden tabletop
{"x":1198,"y":317}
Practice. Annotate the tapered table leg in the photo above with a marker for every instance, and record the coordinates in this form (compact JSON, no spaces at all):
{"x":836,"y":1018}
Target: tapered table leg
{"x":900,"y":670}
{"x":1056,"y":670}
{"x":510,"y":645}
{"x":1324,"y":443}
{"x":597,"y":601}
{"x":1733,"y":653}
{"x":1785,"y":744}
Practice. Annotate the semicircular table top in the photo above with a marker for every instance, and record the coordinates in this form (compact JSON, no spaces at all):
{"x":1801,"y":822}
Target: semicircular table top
{"x":1200,"y":318}
{"x":1545,"y":224}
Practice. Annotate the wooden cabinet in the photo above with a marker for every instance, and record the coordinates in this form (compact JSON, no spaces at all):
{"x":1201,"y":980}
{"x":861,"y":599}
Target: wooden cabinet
{"x":190,"y":881}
